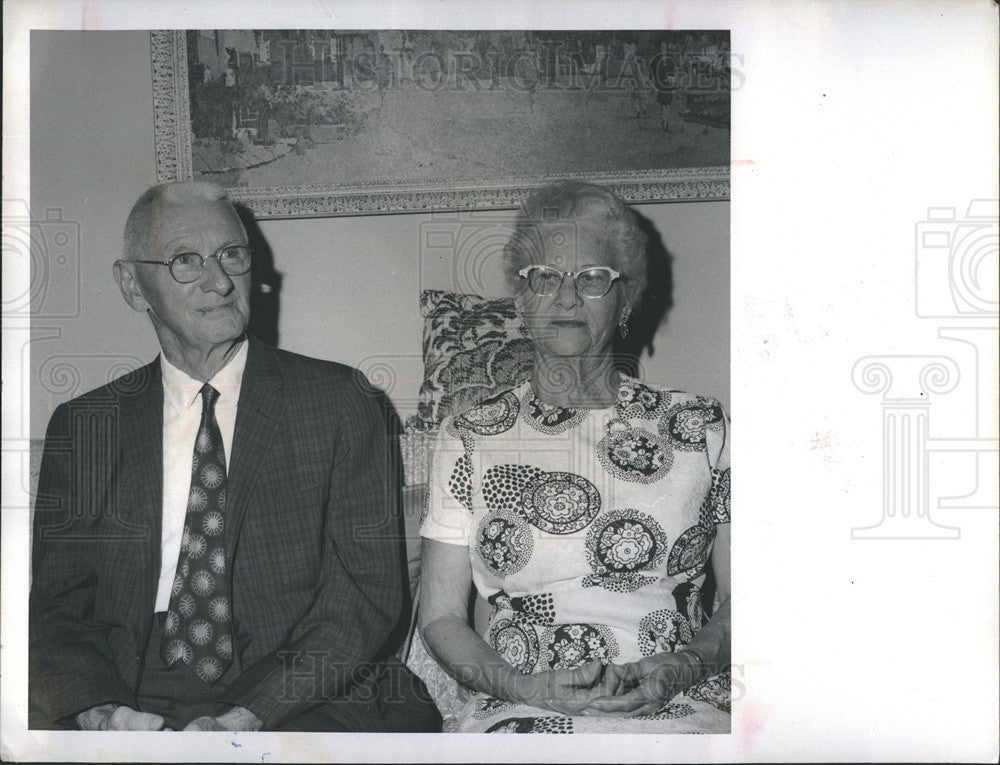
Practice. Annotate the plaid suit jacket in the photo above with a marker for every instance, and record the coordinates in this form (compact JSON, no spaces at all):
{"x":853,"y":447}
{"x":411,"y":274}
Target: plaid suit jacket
{"x":313,"y":542}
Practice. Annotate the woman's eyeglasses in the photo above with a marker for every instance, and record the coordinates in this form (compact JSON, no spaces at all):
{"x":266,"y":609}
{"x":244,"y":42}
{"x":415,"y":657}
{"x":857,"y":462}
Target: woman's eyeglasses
{"x":593,"y":282}
{"x":187,"y":267}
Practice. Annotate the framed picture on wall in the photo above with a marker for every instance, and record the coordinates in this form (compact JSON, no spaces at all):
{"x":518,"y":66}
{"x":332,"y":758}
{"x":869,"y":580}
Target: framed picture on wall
{"x":321,"y":122}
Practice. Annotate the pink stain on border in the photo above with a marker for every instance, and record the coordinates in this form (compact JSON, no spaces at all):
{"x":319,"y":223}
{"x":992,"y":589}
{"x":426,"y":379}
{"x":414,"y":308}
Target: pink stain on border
{"x":751,"y":723}
{"x":742,"y":162}
{"x":826,"y":444}
{"x":668,"y":16}
{"x":84,"y":22}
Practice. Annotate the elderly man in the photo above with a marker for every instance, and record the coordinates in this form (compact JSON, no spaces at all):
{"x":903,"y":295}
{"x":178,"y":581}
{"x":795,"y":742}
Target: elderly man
{"x":215,"y":542}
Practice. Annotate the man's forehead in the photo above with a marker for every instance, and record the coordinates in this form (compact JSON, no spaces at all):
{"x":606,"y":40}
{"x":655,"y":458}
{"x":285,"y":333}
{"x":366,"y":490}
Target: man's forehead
{"x":195,"y":218}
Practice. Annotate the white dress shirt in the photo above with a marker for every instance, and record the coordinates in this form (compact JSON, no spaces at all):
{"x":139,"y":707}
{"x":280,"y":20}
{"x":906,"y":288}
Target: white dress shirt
{"x":182,"y":407}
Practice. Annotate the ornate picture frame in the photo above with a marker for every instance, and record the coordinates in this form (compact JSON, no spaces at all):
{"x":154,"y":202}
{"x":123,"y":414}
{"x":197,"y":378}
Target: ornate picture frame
{"x":307,"y":123}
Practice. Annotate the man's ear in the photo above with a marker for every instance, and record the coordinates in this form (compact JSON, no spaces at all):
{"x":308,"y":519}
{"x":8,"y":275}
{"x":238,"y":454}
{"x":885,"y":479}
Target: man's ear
{"x":128,"y":283}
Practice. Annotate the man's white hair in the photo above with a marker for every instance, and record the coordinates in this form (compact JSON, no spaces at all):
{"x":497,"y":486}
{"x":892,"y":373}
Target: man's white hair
{"x":149,"y":208}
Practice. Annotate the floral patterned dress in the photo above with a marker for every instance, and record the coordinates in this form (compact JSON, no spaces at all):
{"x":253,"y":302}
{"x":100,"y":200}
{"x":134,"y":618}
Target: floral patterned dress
{"x":590,"y":533}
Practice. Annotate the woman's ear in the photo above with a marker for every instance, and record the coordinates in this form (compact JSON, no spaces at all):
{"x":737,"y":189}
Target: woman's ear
{"x":128,"y":283}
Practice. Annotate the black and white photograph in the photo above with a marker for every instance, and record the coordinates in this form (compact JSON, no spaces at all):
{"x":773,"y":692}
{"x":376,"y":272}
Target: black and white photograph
{"x":379,"y":380}
{"x":560,"y":502}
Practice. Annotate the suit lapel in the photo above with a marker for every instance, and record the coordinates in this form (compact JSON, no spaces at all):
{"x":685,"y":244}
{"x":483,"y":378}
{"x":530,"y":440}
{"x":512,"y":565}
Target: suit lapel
{"x":258,"y":413}
{"x":141,"y":464}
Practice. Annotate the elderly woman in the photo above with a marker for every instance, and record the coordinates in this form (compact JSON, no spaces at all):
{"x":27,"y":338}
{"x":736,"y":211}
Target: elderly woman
{"x":585,"y":505}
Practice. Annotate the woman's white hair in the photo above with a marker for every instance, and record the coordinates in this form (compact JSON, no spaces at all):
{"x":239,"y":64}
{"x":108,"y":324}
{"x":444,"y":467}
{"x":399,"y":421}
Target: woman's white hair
{"x":583,"y":203}
{"x":149,"y":208}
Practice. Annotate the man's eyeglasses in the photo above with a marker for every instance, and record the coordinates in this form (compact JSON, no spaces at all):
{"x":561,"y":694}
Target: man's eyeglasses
{"x":593,"y":282}
{"x":187,"y":267}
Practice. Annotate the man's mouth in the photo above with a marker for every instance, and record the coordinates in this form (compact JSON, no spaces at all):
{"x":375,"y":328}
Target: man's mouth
{"x":211,"y":308}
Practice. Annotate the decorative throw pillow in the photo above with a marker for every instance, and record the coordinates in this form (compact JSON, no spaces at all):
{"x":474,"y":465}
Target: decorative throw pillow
{"x":473,"y":348}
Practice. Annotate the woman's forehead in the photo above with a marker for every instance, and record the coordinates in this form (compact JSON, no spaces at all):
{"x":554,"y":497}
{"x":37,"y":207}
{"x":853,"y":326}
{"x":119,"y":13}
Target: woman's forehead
{"x":567,"y":244}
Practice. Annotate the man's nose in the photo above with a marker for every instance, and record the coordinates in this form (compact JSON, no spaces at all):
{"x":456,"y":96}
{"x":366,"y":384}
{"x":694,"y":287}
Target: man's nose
{"x":566,"y":296}
{"x":214,"y":279}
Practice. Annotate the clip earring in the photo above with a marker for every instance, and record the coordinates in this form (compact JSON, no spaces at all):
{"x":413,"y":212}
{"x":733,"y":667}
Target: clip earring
{"x":623,"y":322}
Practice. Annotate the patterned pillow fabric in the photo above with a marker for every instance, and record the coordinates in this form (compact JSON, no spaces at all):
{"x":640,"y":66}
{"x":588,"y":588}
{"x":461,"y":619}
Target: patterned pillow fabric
{"x":473,"y":348}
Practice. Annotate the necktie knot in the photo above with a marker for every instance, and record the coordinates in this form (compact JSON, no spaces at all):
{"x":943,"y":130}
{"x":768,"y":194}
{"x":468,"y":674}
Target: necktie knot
{"x":209,"y":396}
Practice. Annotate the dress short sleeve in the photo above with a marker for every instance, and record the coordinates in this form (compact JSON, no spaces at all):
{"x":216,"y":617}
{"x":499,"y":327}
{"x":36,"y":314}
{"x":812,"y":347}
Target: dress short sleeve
{"x":448,"y":516}
{"x":717,"y":443}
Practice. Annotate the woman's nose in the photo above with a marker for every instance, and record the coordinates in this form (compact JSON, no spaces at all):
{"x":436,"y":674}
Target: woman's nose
{"x":567,"y":296}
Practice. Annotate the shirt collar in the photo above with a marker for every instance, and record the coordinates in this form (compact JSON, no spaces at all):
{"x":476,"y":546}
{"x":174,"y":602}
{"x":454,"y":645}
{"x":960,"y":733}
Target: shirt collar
{"x":182,"y":391}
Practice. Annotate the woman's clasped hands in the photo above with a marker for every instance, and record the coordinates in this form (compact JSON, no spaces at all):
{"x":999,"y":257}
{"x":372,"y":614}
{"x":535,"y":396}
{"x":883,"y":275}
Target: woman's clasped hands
{"x":610,"y":690}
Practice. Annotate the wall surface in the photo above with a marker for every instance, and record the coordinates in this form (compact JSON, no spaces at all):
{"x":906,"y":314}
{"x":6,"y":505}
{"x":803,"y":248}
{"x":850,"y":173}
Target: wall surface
{"x":349,"y":286}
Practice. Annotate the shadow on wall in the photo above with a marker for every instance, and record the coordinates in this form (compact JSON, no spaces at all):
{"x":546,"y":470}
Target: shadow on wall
{"x":265,"y":299}
{"x":655,"y":305}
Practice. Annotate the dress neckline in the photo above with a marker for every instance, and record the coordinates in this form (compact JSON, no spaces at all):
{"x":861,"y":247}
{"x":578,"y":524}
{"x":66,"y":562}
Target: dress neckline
{"x":624,"y":381}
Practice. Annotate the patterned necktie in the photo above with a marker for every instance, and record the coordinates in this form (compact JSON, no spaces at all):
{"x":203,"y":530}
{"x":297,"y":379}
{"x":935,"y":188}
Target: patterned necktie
{"x":198,"y":629}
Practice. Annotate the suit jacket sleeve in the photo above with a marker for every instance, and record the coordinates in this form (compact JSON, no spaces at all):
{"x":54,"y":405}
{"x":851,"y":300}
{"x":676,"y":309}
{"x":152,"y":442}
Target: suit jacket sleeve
{"x":71,"y":666}
{"x":360,"y":596}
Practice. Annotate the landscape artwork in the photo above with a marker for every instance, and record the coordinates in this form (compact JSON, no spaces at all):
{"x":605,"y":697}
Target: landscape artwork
{"x":323,"y":122}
